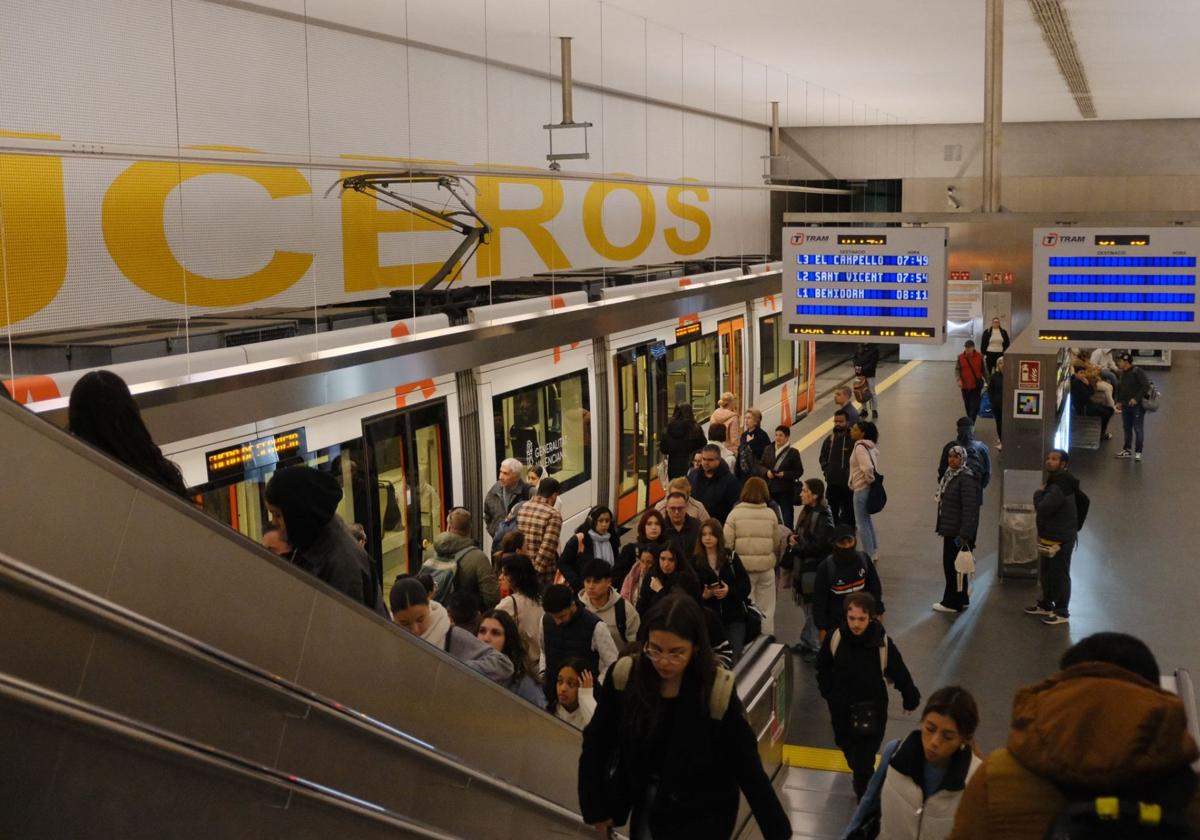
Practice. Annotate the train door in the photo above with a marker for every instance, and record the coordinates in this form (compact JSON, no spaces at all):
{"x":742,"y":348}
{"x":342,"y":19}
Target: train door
{"x":641,"y":404}
{"x":731,"y":334}
{"x":408,"y":469}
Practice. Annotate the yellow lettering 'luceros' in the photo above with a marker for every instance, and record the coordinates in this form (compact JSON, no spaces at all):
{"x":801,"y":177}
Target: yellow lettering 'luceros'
{"x":593,"y":220}
{"x":530,"y":221}
{"x":688,"y":213}
{"x":35,"y":228}
{"x":132,"y":220}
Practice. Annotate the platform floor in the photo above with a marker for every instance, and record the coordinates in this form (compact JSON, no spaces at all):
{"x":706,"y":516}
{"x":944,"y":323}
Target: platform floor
{"x":1134,"y":571}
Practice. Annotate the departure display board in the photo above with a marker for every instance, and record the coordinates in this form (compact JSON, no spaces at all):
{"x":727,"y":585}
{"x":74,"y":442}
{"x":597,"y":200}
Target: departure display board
{"x":236,"y":461}
{"x":1116,"y":287}
{"x":865,"y":284}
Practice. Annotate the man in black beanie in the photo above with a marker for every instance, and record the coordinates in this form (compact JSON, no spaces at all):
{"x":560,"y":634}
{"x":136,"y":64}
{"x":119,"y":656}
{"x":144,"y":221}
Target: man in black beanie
{"x":303,"y":502}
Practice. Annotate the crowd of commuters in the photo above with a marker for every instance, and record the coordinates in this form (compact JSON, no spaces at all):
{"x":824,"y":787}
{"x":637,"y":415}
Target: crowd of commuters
{"x":631,"y":642}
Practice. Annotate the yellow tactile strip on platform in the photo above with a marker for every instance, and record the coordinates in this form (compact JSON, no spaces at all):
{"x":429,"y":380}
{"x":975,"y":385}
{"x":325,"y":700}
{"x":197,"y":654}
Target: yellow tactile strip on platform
{"x":816,"y":758}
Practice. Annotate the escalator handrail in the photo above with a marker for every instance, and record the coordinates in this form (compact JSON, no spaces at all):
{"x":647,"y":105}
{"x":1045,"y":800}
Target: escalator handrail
{"x":72,"y":597}
{"x":1186,"y":690}
{"x":108,"y":722}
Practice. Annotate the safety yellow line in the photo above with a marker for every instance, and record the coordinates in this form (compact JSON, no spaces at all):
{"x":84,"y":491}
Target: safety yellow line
{"x":819,"y":434}
{"x":816,"y":758}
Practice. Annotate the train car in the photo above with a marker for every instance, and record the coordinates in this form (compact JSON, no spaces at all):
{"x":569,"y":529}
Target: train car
{"x":406,"y":456}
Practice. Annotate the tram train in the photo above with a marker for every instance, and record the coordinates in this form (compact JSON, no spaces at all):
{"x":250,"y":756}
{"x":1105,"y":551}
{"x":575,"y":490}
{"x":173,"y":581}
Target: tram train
{"x":395,"y":451}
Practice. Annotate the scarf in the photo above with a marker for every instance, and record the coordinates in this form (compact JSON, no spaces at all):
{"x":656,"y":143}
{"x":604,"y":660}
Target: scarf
{"x":602,"y":547}
{"x":951,"y":472}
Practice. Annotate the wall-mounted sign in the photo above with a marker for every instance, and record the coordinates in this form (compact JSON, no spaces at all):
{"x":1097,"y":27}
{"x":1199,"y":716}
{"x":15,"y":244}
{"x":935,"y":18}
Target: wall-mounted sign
{"x":960,"y":276}
{"x":860,"y":284}
{"x":1029,"y":374}
{"x":1132,"y":287}
{"x":1027,"y":405}
{"x":236,"y":461}
{"x":998,"y":278}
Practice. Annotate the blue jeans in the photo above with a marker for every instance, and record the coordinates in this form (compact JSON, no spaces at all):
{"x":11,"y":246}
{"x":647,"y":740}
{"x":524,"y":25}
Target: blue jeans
{"x":866,"y":528}
{"x":1134,"y":418}
{"x":809,"y":638}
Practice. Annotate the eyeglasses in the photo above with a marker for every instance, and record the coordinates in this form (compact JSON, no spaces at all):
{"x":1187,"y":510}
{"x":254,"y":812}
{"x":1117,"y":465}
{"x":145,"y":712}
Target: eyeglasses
{"x":676,"y":656}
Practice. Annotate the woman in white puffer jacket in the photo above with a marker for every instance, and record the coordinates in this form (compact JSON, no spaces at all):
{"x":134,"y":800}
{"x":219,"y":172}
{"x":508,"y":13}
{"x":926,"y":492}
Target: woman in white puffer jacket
{"x":750,"y":531}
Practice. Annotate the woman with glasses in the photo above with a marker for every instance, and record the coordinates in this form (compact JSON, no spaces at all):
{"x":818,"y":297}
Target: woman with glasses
{"x":523,"y":603}
{"x":669,"y":745}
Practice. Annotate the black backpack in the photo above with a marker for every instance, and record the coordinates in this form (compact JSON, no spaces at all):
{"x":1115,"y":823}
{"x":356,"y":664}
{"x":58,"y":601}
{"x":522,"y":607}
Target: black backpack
{"x":1120,"y":818}
{"x":1082,"y":505}
{"x":747,"y":464}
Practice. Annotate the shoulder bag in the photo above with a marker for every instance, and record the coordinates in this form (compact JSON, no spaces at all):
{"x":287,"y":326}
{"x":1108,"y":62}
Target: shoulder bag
{"x":876,"y":495}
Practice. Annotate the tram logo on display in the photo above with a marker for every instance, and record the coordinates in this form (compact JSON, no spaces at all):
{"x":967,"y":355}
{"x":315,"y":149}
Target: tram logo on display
{"x":1050,"y":240}
{"x":797,"y":238}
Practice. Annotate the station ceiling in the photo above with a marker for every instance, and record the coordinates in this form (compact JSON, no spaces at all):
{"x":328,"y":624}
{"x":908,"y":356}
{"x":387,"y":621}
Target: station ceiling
{"x":922,"y":61}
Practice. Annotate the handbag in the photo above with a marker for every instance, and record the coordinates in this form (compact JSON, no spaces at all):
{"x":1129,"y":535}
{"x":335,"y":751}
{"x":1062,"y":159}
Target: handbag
{"x":876,"y":495}
{"x":865,"y":718}
{"x":391,"y":510}
{"x":754,"y":620}
{"x":1150,"y":401}
{"x":964,"y":565}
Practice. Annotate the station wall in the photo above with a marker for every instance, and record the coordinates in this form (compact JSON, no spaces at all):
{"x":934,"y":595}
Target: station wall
{"x":163,"y":159}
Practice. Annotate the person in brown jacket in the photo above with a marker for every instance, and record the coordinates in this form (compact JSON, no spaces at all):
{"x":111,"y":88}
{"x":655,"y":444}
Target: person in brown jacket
{"x":1101,"y":726}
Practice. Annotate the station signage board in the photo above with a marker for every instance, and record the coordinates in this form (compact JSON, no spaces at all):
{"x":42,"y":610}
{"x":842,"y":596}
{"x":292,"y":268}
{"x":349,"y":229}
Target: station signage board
{"x":1116,"y":287}
{"x":855,"y":284}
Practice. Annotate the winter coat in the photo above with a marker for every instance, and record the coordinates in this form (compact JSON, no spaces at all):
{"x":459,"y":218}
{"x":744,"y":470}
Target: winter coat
{"x":866,"y":357}
{"x":958,"y":508}
{"x":476,"y":655}
{"x":676,"y":582}
{"x":853,"y":675}
{"x":678,"y":442}
{"x":732,"y":608}
{"x":475,"y":573}
{"x":863,"y":460}
{"x":758,"y":441}
{"x":336,"y":558}
{"x":494,"y":509}
{"x":694,"y":508}
{"x":897,"y":792}
{"x":701,"y":765}
{"x":686,"y":537}
{"x":1132,"y":384}
{"x":979,"y":457}
{"x":1057,"y":515}
{"x":970,"y":371}
{"x":792,"y":468}
{"x":1093,"y":728}
{"x":733,"y":427}
{"x":718,"y":492}
{"x":527,"y":689}
{"x":528,"y":615}
{"x":608,"y":614}
{"x":750,"y":531}
{"x":629,"y":556}
{"x":838,"y":577}
{"x":995,"y":390}
{"x":835,"y":458}
{"x":814,"y":542}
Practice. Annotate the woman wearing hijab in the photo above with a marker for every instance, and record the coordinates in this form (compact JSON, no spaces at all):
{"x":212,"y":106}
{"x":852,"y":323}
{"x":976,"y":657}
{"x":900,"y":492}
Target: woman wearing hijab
{"x":592,"y":541}
{"x":957,"y":521}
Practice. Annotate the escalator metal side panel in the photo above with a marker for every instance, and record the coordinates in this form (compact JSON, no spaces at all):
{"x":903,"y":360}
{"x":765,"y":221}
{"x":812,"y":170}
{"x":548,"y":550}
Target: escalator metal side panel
{"x":78,"y":651}
{"x":69,"y":773}
{"x":765,"y":687}
{"x":129,"y":541}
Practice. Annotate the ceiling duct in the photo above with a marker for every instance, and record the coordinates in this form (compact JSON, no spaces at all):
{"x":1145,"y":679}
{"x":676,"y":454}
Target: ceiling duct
{"x":1056,"y":30}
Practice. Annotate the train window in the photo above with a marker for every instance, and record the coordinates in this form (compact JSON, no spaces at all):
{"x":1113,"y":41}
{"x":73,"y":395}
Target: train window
{"x":692,"y":376}
{"x":777,"y":352}
{"x":548,"y":424}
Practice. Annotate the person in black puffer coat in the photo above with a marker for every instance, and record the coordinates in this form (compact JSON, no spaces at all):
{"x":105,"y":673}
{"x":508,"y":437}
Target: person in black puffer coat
{"x":851,"y":674}
{"x":957,"y":523}
{"x":303,"y":502}
{"x":811,"y":544}
{"x":682,"y":438}
{"x":1057,"y":509}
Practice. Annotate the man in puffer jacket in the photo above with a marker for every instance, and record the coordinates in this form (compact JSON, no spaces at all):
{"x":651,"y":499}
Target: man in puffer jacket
{"x":1057,"y":527}
{"x":1101,"y":726}
{"x":713,"y":485}
{"x":751,"y":531}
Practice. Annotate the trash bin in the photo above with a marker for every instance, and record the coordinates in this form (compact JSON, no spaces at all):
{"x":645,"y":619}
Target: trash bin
{"x":1018,"y":541}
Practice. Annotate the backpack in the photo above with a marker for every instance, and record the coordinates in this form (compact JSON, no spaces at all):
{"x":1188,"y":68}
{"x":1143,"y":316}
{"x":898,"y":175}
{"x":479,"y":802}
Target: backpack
{"x":620,"y":615}
{"x":507,"y":525}
{"x":975,"y":462}
{"x":836,"y":639}
{"x":718,"y":699}
{"x":1082,"y":505}
{"x":747,"y":464}
{"x":1157,"y":812}
{"x":443,"y":570}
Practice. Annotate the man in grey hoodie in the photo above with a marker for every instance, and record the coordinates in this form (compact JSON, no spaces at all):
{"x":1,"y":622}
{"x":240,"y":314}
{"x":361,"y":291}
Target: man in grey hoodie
{"x":606,"y":603}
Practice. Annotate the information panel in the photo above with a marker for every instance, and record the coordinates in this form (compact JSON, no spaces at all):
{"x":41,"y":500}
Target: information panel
{"x":1116,"y":287}
{"x":865,"y":284}
{"x":236,"y":461}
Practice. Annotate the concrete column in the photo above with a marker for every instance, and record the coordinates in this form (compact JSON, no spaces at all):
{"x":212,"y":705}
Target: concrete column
{"x":993,"y":101}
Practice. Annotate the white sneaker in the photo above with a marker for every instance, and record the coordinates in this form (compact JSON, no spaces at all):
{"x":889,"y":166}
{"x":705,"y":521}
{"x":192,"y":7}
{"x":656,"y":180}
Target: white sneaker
{"x":1124,"y":453}
{"x":999,"y":447}
{"x":942,"y":608}
{"x":1137,"y":456}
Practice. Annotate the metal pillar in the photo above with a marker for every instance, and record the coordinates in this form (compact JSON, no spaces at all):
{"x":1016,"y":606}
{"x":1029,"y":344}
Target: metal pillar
{"x":993,"y":102}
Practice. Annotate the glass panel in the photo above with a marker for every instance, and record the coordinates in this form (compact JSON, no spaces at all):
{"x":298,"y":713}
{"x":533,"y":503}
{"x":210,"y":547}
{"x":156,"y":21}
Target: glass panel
{"x":389,"y":460}
{"x":767,"y":328}
{"x":431,"y":482}
{"x":704,"y":390}
{"x":629,"y":419}
{"x":679,"y":362}
{"x":547,"y":424}
{"x":778,"y":352}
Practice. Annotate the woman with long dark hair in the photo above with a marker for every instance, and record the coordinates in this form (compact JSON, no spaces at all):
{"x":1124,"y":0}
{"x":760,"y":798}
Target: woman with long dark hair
{"x":680,"y":440}
{"x":103,"y":413}
{"x":593,"y":539}
{"x":812,"y":543}
{"x":726,"y":585}
{"x":498,"y":629}
{"x":651,"y":531}
{"x":672,"y":573}
{"x":523,"y":603}
{"x":669,"y":744}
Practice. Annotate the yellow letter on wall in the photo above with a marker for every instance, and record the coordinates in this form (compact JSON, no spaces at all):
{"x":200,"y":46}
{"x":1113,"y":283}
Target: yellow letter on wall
{"x":132,"y":219}
{"x":34,"y":257}
{"x":593,"y":220}
{"x":529,"y":221}
{"x":679,"y":245}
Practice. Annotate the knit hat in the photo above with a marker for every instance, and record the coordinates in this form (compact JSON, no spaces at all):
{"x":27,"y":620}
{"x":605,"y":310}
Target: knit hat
{"x":308,"y":499}
{"x":842,"y":532}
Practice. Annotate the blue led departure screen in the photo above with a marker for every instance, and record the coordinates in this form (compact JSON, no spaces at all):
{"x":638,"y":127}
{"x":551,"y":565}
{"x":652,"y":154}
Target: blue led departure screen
{"x":1116,"y":288}
{"x":860,"y":284}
